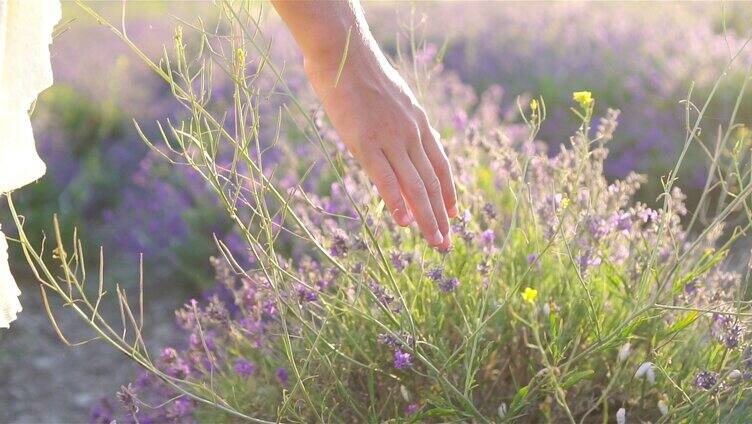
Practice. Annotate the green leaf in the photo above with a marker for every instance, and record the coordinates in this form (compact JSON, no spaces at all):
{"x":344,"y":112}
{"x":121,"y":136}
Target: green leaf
{"x":576,"y":377}
{"x":688,"y":319}
{"x":519,"y":398}
{"x":633,"y":326}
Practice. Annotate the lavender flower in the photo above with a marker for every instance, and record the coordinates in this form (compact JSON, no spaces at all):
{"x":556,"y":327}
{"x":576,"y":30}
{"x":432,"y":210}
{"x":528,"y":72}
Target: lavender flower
{"x":385,"y":297}
{"x":400,"y":261}
{"x":339,"y":246}
{"x":412,"y":409}
{"x":402,"y":360}
{"x":180,"y":408}
{"x":128,"y":398}
{"x":244,"y":368}
{"x":489,"y":210}
{"x":706,"y":380}
{"x":448,"y":285}
{"x":393,"y":342}
{"x":103,"y":412}
{"x":282,"y":376}
{"x":487,"y":238}
{"x":169,"y":355}
{"x":305,"y":294}
{"x":727,"y":330}
{"x":436,"y":273}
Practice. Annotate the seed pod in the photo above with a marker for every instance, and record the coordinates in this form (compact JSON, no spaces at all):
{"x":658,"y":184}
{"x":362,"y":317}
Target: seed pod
{"x":663,"y":407}
{"x":624,"y":352}
{"x":405,"y":393}
{"x":621,"y":416}
{"x":502,"y":410}
{"x":646,"y":371}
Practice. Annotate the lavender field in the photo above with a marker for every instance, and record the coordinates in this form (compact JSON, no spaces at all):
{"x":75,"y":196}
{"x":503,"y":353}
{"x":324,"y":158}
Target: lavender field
{"x":600,"y":261}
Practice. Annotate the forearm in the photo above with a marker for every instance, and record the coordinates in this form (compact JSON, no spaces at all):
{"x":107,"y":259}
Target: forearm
{"x":326,"y":30}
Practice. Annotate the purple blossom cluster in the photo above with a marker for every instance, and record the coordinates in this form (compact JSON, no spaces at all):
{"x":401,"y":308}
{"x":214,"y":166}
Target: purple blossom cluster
{"x":706,"y":380}
{"x":728,"y":330}
{"x":241,"y":316}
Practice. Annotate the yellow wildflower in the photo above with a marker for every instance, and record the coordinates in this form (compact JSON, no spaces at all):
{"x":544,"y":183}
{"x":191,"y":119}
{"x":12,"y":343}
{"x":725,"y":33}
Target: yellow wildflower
{"x":529,"y":295}
{"x":583,"y":98}
{"x":565,"y":203}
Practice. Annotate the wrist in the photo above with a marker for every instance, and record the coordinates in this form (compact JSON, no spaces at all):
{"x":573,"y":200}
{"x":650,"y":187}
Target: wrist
{"x":352,"y":56}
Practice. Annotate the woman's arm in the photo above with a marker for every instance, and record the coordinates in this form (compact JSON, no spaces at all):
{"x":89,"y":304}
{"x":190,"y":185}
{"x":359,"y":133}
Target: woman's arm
{"x":375,"y":113}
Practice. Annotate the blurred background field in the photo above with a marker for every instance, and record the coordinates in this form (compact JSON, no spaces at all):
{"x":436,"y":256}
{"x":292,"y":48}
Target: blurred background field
{"x":641,"y":58}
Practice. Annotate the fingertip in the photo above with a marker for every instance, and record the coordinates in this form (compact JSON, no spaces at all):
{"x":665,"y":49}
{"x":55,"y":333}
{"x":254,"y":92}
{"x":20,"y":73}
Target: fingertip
{"x":447,"y":244}
{"x":403,"y":217}
{"x":453,"y":211}
{"x":437,"y":239}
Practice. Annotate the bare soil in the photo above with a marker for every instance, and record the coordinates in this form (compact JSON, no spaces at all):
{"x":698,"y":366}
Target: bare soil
{"x":44,"y":381}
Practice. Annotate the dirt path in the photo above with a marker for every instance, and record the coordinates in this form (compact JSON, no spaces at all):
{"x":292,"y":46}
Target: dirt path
{"x":43,"y":381}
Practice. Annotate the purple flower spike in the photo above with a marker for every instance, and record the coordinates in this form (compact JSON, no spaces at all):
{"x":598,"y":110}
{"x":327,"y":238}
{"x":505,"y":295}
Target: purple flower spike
{"x":244,"y":368}
{"x":412,"y":409}
{"x":180,"y":408}
{"x":169,"y":355}
{"x":436,"y":273}
{"x":103,"y":412}
{"x":402,"y":360}
{"x":487,"y":238}
{"x":706,"y":380}
{"x":282,"y":376}
{"x":449,"y":285}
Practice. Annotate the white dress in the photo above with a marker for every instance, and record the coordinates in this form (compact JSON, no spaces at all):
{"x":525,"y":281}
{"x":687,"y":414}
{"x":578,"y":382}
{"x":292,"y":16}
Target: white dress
{"x":25,"y":35}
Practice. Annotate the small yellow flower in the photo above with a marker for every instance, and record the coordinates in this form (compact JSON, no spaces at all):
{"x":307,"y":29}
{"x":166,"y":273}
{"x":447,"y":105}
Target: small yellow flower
{"x":565,"y":203}
{"x":533,"y":105}
{"x":529,"y":295}
{"x":583,"y":98}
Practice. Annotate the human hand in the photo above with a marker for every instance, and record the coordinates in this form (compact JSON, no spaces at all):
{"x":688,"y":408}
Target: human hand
{"x":380,"y":121}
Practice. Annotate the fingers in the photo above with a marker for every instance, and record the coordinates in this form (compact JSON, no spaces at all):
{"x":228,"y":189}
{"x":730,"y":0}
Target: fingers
{"x":433,"y":189}
{"x":416,"y":194}
{"x":435,"y":152}
{"x":386,"y":182}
